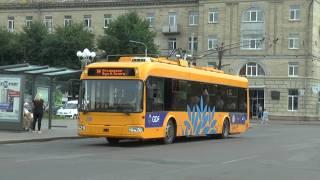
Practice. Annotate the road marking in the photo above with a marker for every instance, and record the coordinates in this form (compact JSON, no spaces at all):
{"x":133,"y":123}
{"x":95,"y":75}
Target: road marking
{"x":202,"y":165}
{"x":240,"y":159}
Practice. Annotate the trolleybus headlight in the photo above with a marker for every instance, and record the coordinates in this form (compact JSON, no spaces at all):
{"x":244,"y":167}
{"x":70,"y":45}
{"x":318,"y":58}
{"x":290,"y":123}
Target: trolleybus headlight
{"x":135,"y":129}
{"x":85,"y":71}
{"x":82,"y":127}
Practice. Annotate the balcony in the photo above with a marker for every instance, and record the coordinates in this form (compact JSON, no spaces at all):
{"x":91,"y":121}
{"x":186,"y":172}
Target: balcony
{"x":170,"y":29}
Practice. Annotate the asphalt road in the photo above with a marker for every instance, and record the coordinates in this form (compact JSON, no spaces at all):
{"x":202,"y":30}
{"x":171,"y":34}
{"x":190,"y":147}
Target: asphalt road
{"x":271,"y":152}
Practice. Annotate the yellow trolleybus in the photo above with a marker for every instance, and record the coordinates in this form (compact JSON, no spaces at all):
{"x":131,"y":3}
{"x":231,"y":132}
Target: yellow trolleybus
{"x":157,"y":98}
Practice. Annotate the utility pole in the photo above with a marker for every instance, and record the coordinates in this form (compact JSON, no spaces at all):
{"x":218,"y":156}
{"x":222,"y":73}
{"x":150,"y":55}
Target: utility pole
{"x":192,"y":48}
{"x":220,"y":50}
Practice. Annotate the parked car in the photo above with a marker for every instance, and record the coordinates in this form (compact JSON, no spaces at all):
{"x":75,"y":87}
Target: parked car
{"x":70,"y":109}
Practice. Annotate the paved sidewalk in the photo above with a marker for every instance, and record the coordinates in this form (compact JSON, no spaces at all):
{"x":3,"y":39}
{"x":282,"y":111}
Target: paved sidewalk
{"x":62,"y":129}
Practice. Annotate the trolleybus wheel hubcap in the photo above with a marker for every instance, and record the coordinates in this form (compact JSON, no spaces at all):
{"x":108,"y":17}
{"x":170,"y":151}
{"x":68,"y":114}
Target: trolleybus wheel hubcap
{"x":169,"y":131}
{"x":225,"y":129}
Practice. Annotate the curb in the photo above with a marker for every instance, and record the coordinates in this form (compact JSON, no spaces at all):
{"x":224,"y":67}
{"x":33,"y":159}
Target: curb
{"x":40,"y":140}
{"x":315,"y":123}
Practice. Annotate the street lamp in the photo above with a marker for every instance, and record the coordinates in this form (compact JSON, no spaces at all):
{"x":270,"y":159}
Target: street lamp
{"x":85,"y":57}
{"x":145,"y":46}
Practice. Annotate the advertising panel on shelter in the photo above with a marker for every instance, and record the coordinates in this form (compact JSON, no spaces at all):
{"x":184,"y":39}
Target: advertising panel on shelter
{"x":10,"y":98}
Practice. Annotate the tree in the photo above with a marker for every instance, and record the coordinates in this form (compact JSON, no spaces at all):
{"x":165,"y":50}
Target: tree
{"x":125,"y":28}
{"x":10,"y":48}
{"x":59,"y":49}
{"x":55,"y":49}
{"x":31,"y":39}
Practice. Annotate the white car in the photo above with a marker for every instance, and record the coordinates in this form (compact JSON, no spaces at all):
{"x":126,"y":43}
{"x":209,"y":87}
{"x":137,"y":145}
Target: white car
{"x":70,"y":109}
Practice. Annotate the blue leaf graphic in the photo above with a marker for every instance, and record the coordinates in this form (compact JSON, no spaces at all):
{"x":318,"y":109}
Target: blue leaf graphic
{"x":198,"y":124}
{"x":212,"y":112}
{"x":213,"y":123}
{"x":205,"y":109}
{"x":193,"y":116}
{"x":196,"y":120}
{"x":187,"y":124}
{"x":207,"y":120}
{"x":189,"y":111}
{"x":204,"y":116}
{"x":203,"y":120}
{"x":212,"y":131}
{"x":200,"y":119}
{"x":206,"y":130}
{"x":201,"y":104}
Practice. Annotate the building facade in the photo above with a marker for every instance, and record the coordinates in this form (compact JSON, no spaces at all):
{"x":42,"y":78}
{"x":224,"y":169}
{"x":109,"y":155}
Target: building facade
{"x":276,"y":44}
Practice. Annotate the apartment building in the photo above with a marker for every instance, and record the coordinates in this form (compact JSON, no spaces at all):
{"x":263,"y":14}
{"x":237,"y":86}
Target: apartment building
{"x":275,"y":43}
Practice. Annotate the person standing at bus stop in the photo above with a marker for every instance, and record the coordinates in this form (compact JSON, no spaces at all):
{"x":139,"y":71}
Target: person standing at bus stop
{"x":265,"y":117}
{"x":38,"y":109}
{"x":260,"y":112}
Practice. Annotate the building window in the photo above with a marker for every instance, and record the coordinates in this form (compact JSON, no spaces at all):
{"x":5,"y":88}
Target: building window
{"x":212,"y":42}
{"x":10,"y":23}
{"x":193,"y":18}
{"x":193,"y":44}
{"x":293,"y":100}
{"x":150,"y":18}
{"x":294,"y":13}
{"x":172,"y":43}
{"x":252,"y":69}
{"x":107,"y":20}
{"x":172,"y":19}
{"x":293,"y":41}
{"x":253,"y":15}
{"x":293,"y":70}
{"x":213,"y":15}
{"x":67,"y":21}
{"x":28,"y":21}
{"x":87,"y":21}
{"x":48,"y":23}
{"x":252,"y":42}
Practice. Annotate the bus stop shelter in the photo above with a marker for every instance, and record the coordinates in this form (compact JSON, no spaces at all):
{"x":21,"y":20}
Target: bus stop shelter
{"x":12,"y":84}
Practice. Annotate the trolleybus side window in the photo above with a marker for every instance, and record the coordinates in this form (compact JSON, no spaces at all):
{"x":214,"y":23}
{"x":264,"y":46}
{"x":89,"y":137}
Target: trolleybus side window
{"x":242,"y":100}
{"x":231,"y":99}
{"x":179,"y":95}
{"x":155,"y":96}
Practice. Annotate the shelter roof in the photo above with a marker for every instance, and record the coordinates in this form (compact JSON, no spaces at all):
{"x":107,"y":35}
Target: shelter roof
{"x":37,"y":70}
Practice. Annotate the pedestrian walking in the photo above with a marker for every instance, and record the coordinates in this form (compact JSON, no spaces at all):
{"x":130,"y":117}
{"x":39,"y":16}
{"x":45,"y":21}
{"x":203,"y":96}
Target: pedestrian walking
{"x":260,"y":112}
{"x":265,"y":117}
{"x":38,"y":108}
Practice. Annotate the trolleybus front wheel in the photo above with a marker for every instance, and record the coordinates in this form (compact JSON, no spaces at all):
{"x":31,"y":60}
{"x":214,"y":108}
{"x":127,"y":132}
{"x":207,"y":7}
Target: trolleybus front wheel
{"x":170,"y":132}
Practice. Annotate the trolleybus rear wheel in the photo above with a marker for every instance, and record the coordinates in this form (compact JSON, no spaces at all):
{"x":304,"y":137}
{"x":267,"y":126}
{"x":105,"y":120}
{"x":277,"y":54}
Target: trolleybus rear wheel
{"x":225,"y":129}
